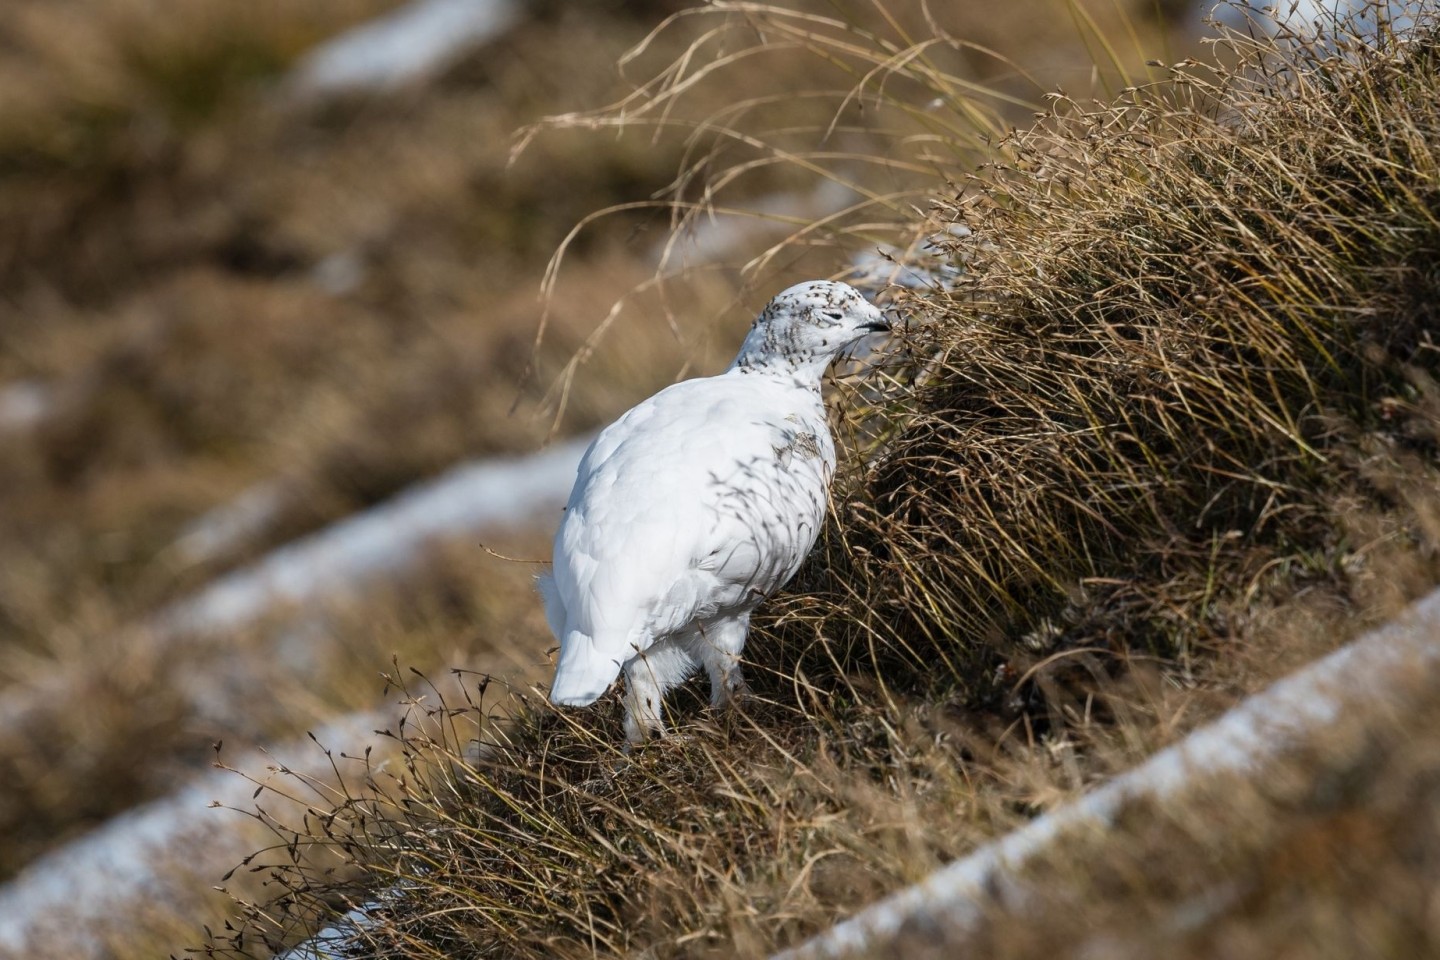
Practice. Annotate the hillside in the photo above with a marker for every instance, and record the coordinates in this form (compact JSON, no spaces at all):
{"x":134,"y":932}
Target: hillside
{"x":1160,"y":428}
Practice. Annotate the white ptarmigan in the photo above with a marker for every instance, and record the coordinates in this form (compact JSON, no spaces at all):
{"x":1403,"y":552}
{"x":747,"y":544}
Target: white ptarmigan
{"x":695,"y":506}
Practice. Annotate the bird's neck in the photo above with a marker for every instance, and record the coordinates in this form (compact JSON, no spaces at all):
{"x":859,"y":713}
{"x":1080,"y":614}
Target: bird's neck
{"x":806,"y":369}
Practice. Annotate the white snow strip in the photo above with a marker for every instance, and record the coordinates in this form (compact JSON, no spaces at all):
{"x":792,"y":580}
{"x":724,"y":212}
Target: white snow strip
{"x":24,"y":404}
{"x":63,"y":900}
{"x":927,"y":264}
{"x":404,"y":46}
{"x":230,"y":525}
{"x":347,"y":556}
{"x":334,"y":942}
{"x":339,"y":561}
{"x":1385,"y":666}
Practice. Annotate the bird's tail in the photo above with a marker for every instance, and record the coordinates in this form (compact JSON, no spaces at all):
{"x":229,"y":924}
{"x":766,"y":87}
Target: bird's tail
{"x":582,"y":674}
{"x":554,"y":606}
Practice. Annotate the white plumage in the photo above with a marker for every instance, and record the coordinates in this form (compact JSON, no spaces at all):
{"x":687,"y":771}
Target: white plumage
{"x":696,"y":505}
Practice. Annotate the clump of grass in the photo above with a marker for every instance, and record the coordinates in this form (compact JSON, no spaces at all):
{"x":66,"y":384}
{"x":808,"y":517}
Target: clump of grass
{"x":539,"y":837}
{"x":1195,"y":334}
{"x":1186,"y":384}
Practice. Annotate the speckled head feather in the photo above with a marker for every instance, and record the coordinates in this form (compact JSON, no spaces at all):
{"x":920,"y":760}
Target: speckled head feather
{"x":804,"y":327}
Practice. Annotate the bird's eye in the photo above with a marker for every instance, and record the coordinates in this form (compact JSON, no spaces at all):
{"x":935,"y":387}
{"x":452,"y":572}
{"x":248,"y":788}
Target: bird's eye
{"x":834,"y":315}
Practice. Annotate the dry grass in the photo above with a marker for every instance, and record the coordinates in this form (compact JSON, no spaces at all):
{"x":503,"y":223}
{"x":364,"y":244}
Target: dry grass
{"x":1325,"y":855}
{"x":1181,"y":406}
{"x":868,"y":113}
{"x":1173,"y":433}
{"x":1193,"y":348}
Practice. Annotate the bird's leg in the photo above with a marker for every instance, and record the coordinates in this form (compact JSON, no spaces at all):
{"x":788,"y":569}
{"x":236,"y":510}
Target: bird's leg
{"x":719,"y":649}
{"x":647,"y":676}
{"x":726,"y":691}
{"x":642,"y":705}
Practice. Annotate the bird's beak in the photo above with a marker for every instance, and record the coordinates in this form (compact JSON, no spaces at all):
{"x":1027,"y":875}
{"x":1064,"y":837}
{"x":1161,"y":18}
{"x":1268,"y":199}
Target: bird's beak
{"x":878,"y":325}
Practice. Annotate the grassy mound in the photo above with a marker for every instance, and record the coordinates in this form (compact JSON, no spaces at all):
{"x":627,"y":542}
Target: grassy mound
{"x":1174,"y":428}
{"x":1191,"y":362}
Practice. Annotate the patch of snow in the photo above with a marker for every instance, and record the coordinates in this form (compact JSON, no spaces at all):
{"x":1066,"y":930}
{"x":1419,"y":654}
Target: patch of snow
{"x":334,"y":942}
{"x":404,"y":46}
{"x":24,"y":404}
{"x":62,"y":901}
{"x":339,"y":273}
{"x":928,"y":264}
{"x":1309,"y":18}
{"x":220,"y":531}
{"x":1396,"y":665}
{"x":344,"y":558}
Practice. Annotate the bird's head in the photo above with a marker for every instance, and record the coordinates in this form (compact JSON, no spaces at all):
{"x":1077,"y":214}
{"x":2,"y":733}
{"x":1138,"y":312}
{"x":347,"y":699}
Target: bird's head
{"x":805,"y":326}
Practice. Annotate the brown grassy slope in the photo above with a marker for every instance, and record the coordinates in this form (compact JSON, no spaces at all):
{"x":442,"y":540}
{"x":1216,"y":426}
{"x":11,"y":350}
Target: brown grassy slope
{"x":1310,"y":833}
{"x":1182,"y":407}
